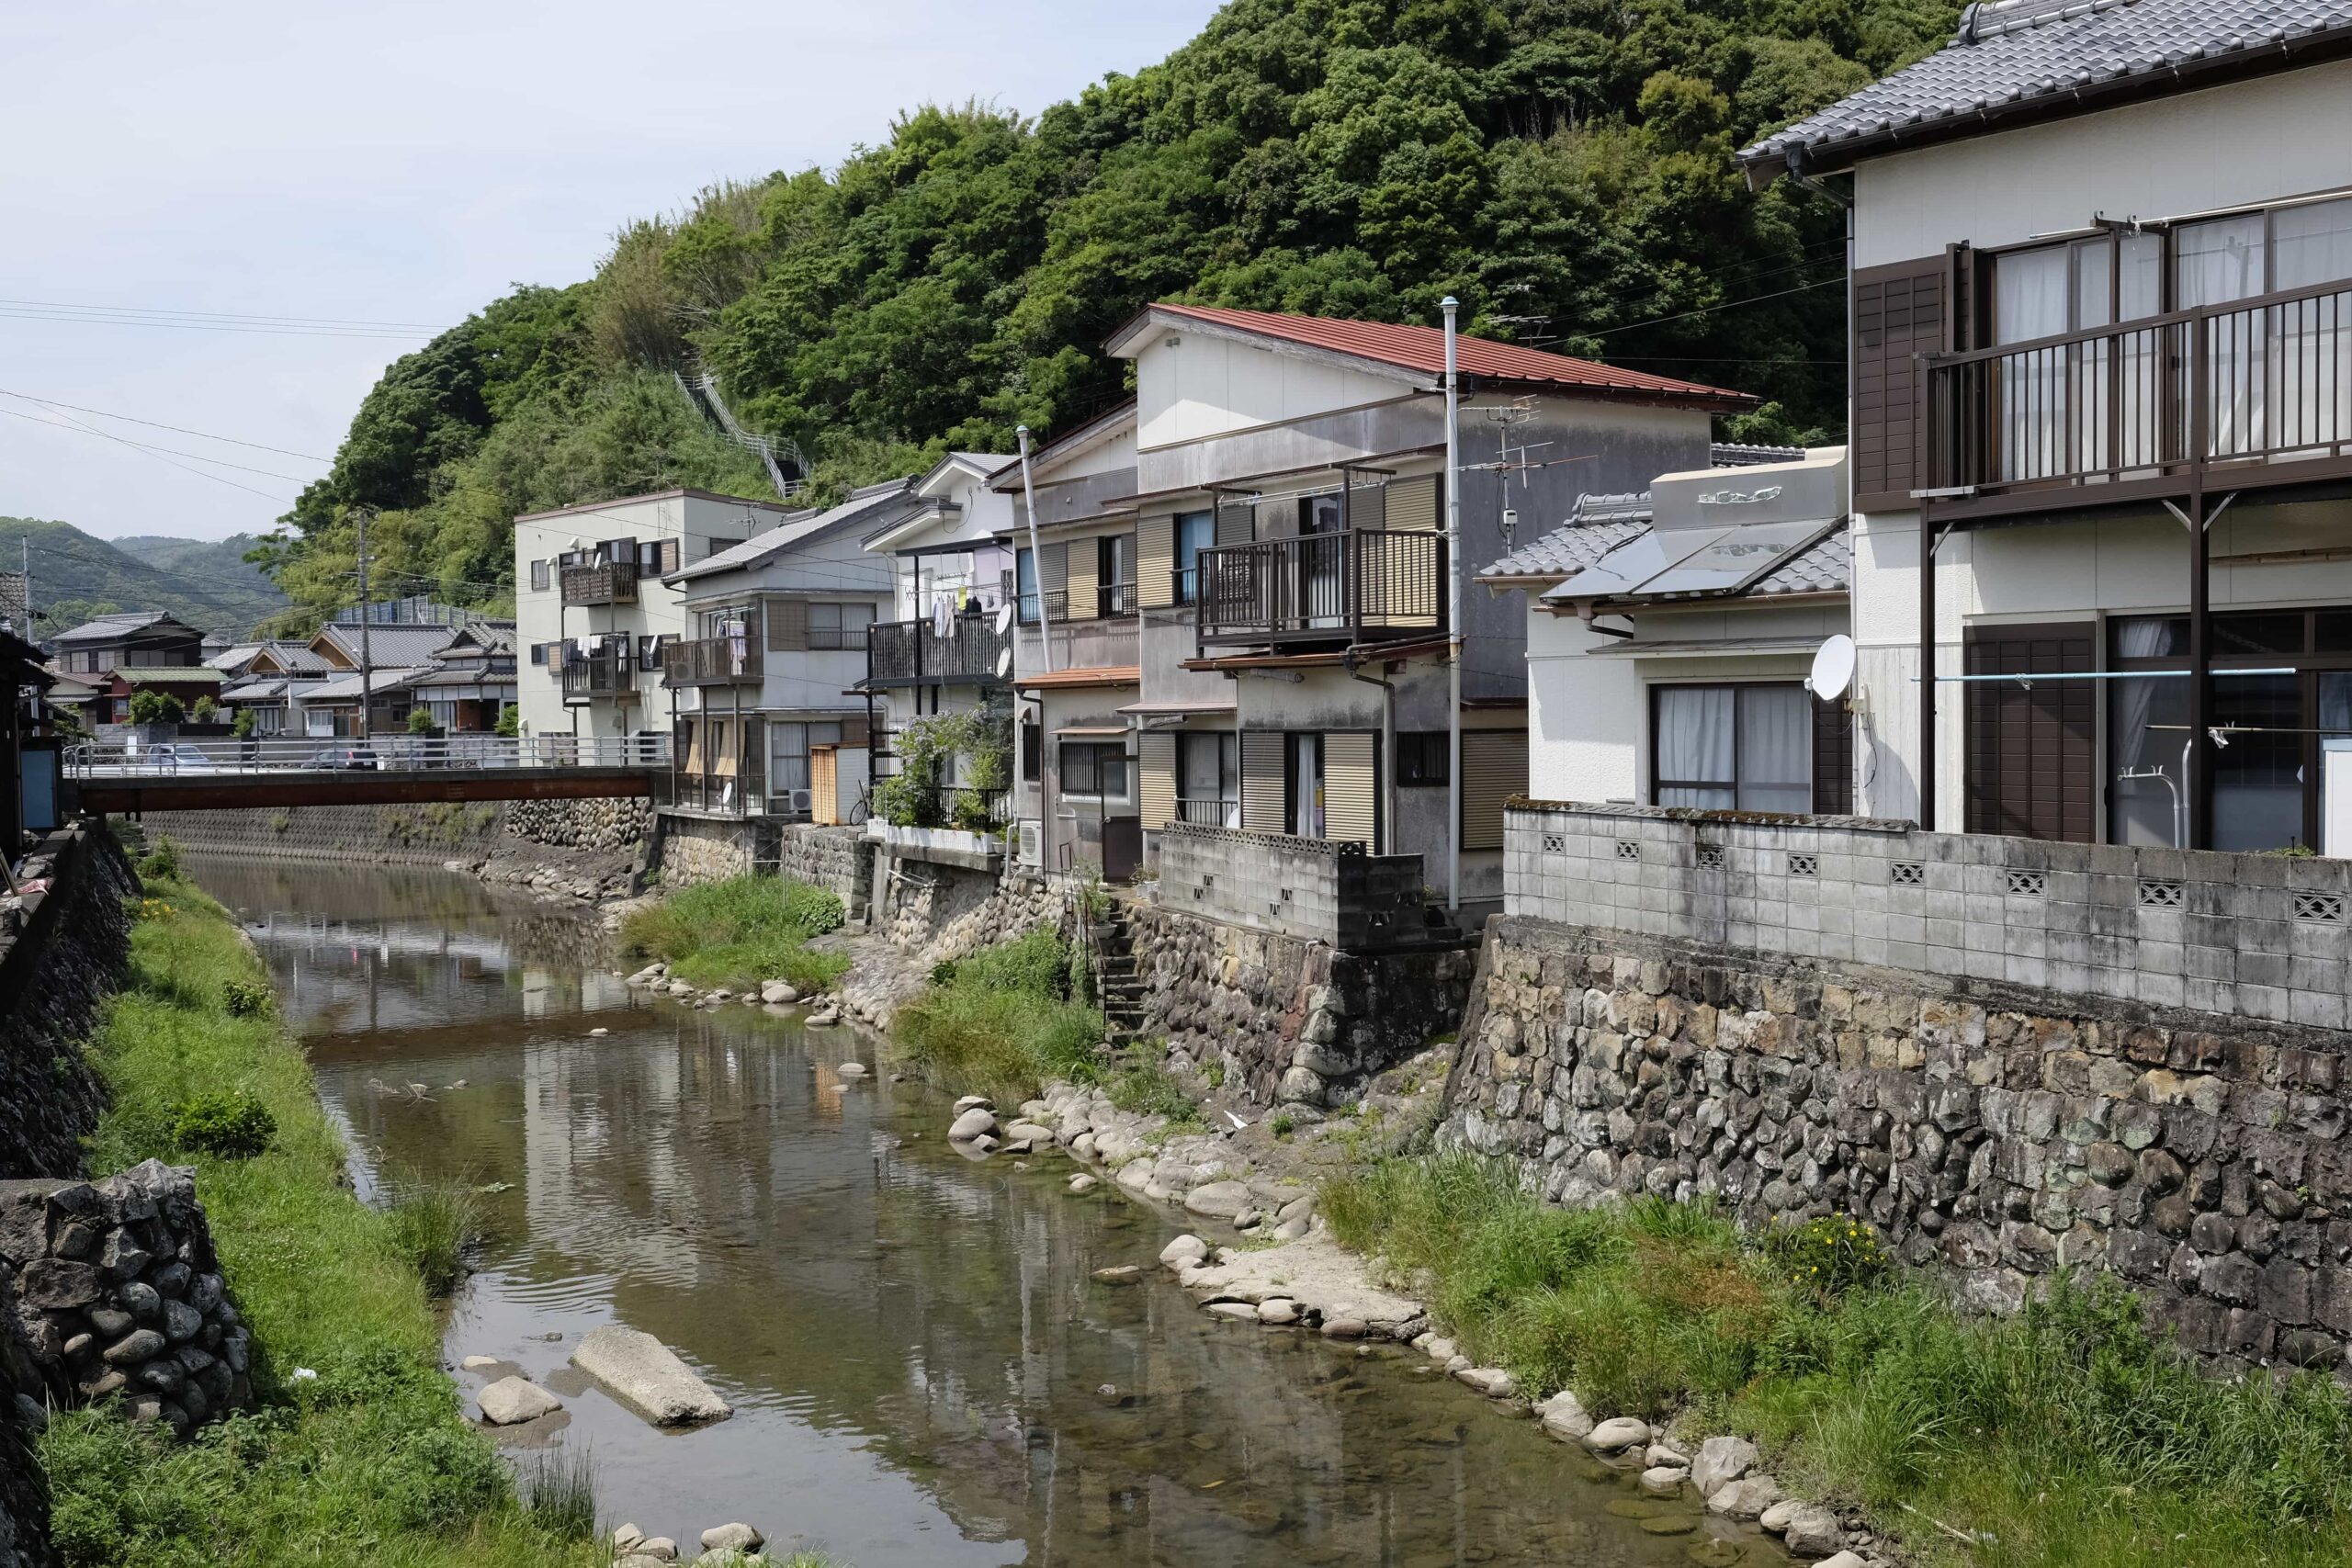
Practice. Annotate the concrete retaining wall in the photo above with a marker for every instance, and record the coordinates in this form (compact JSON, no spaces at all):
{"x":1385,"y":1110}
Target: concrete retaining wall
{"x":1999,"y":1130}
{"x":403,"y":835}
{"x":1309,"y":888}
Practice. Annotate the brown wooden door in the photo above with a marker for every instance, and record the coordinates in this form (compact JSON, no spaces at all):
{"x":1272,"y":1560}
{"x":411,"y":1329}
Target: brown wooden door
{"x":2032,"y":753}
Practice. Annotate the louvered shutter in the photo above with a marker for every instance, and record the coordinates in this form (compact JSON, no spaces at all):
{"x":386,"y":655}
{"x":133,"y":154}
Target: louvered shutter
{"x":1368,"y":506}
{"x":1053,"y":583}
{"x":1156,"y":563}
{"x":1408,"y":504}
{"x":1261,"y":780}
{"x":1901,"y":309}
{"x":1351,"y":788}
{"x":787,"y":626}
{"x":1236,"y":520}
{"x":1155,"y":757}
{"x":1085,"y":555}
{"x":855,"y":730}
{"x":2031,"y":751}
{"x":1494,"y":768}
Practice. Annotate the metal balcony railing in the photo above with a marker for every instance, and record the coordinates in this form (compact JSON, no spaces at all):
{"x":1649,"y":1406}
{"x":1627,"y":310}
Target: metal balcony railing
{"x":1204,"y":811}
{"x":712,"y":661}
{"x":2253,"y":391}
{"x":611,"y":676}
{"x":601,"y":583}
{"x":907,"y":653}
{"x":1361,"y":585}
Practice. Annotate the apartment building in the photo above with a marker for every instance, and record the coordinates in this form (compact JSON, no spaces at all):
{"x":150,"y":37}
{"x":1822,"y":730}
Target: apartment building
{"x":763,"y":680}
{"x":2102,"y":423}
{"x":593,"y":603}
{"x":1247,"y":586}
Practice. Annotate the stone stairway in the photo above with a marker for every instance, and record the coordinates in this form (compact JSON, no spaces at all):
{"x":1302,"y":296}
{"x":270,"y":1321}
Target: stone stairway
{"x":1116,"y":982}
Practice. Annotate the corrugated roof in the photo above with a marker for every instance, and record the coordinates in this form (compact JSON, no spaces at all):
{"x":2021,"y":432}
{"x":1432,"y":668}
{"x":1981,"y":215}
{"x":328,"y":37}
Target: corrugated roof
{"x":169,"y":675}
{"x":1422,"y":349}
{"x":2023,"y":58}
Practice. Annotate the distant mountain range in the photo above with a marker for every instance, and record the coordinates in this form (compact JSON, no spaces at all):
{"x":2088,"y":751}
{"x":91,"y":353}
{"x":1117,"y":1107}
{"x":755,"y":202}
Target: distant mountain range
{"x":204,"y":582}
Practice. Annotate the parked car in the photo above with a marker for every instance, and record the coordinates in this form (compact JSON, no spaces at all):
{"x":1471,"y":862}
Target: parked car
{"x":346,"y":758}
{"x":173,"y":757}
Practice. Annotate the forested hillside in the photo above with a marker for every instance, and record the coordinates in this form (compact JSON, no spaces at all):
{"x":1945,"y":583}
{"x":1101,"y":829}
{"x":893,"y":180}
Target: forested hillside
{"x":75,"y":576}
{"x":1561,"y":166}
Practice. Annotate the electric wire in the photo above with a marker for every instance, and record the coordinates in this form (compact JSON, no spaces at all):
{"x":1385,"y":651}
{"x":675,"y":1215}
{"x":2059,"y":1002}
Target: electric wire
{"x":157,"y":425}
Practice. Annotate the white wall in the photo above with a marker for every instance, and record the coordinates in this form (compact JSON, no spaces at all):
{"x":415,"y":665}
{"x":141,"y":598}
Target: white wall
{"x":1585,"y":716}
{"x":1207,"y":385}
{"x":2276,"y":136}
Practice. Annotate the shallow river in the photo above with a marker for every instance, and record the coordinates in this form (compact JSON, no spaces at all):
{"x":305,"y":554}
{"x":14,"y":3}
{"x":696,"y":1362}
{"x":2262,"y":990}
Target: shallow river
{"x":923,"y":1371}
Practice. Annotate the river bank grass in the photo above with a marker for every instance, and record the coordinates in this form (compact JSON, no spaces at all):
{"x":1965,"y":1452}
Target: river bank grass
{"x":740,"y":933}
{"x":370,"y":1461}
{"x":1005,"y":1020}
{"x":2066,"y":1436}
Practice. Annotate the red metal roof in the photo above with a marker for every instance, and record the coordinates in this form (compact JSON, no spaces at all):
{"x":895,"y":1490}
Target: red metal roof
{"x":1423,"y":349}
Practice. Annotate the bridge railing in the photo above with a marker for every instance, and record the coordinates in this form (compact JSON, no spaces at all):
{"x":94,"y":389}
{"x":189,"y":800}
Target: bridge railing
{"x":387,"y":754}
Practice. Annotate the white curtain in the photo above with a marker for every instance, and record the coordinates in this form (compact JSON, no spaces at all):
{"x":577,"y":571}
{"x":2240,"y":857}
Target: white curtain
{"x":1694,"y":747}
{"x":1775,"y":749}
{"x":2029,"y":301}
{"x":2215,"y":264}
{"x":2145,"y":809}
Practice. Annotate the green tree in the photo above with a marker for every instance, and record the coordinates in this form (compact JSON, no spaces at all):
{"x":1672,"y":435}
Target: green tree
{"x":151,"y":707}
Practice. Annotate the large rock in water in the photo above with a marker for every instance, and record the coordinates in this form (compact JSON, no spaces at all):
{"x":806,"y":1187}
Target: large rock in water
{"x":647,"y":1375}
{"x":511,"y":1401}
{"x":1720,"y":1461}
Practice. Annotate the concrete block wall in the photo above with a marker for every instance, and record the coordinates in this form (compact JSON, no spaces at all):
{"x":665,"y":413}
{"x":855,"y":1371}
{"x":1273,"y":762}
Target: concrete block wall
{"x":2263,"y":938}
{"x":1308,"y":888}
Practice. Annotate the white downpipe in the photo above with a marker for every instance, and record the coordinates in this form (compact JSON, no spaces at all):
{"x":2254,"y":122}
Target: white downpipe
{"x":1453,"y":619}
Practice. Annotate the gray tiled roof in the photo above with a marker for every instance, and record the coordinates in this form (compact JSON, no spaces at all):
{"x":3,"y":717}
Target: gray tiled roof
{"x":2010,"y":53}
{"x":1826,"y":568}
{"x":1604,"y":522}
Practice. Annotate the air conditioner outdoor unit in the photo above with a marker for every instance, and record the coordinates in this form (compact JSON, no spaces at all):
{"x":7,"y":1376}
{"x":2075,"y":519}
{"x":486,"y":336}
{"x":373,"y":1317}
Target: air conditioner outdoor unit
{"x":802,"y":802}
{"x":1033,"y":844}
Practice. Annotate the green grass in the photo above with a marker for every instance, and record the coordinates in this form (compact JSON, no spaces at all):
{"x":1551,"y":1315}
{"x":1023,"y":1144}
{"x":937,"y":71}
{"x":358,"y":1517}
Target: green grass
{"x":371,"y":1462}
{"x":434,"y":1225}
{"x":1003,"y":1020}
{"x":740,"y":933}
{"x":2066,"y":1436}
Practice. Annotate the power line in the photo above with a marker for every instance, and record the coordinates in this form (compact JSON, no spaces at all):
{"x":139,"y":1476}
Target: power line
{"x":155,"y":452}
{"x":14,"y":313}
{"x":155,"y":425}
{"x":221,"y":315}
{"x":174,"y":451}
{"x":1726,"y":305}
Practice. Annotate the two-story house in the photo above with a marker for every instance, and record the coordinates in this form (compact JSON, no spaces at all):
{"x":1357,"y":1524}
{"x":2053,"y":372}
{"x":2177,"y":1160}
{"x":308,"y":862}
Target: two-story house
{"x":775,"y":646}
{"x":1270,"y":538}
{"x":593,"y":602}
{"x":2101,"y":424}
{"x":118,"y":656}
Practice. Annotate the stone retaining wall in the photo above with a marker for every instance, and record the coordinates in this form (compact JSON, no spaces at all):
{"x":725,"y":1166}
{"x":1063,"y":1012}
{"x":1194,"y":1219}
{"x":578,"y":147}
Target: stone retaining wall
{"x":619,"y":822}
{"x":1994,"y":1129}
{"x":690,"y":849}
{"x":838,"y":858}
{"x":62,"y":951}
{"x":402,"y":835}
{"x":115,"y":1289}
{"x":1290,"y":1020}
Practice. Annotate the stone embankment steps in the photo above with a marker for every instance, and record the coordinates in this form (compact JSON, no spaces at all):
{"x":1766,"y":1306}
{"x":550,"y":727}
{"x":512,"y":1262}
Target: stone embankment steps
{"x":1116,"y":981}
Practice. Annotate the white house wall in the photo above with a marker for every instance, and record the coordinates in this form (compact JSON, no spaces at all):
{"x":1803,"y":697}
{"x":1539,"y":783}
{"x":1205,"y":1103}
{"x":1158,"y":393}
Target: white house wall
{"x":1208,"y":385}
{"x":2276,"y":136}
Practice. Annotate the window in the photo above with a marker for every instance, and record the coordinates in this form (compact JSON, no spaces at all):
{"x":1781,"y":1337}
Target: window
{"x":649,"y":652}
{"x":538,"y":577}
{"x":1115,"y":571}
{"x":1025,"y":576}
{"x":1094,"y":768}
{"x":839,"y":625}
{"x":1422,"y":757}
{"x":1208,"y":778}
{"x":1031,"y":751}
{"x":1303,"y":762}
{"x":538,"y":653}
{"x":1195,"y":532}
{"x":1732,"y":748}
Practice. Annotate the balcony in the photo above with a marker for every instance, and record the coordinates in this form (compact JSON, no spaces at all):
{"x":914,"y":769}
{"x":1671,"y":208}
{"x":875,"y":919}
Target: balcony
{"x":605,"y":675}
{"x":1365,"y":585}
{"x":1079,"y":645}
{"x":909,"y":653}
{"x":601,"y":583}
{"x":712,"y":661}
{"x":2253,"y":393}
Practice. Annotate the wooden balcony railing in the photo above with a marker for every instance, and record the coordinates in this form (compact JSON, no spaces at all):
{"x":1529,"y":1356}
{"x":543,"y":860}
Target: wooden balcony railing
{"x":909,"y":653}
{"x":712,"y":661}
{"x":1364,"y":585}
{"x":601,"y":583}
{"x":2251,"y":392}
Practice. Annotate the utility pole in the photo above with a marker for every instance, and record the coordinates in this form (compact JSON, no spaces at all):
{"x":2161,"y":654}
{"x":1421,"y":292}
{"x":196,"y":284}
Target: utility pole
{"x":1046,"y":653}
{"x":27,"y":543}
{"x":1452,"y":616}
{"x":367,"y":663}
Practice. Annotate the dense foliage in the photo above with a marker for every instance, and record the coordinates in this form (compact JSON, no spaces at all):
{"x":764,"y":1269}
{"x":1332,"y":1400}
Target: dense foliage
{"x":76,"y":577}
{"x":1563,"y":166}
{"x":741,"y":932}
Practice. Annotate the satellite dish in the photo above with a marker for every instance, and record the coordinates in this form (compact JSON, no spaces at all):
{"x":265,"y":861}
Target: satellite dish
{"x":1833,"y":668}
{"x":1003,"y":622}
{"x":1004,"y":663}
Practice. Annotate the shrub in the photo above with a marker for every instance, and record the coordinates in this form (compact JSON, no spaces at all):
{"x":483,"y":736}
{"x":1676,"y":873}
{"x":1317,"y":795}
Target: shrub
{"x":151,"y":707}
{"x":161,"y":863}
{"x":510,"y":721}
{"x":242,"y":727}
{"x":420,"y":721}
{"x":227,"y":1123}
{"x":1832,"y":1254}
{"x":207,"y":710}
{"x":247,"y":998}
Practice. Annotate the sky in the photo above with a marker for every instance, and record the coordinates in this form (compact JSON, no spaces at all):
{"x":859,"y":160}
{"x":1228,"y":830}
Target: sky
{"x":206,"y":211}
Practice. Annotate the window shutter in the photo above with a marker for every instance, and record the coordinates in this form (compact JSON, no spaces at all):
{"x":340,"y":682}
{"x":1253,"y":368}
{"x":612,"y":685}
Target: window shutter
{"x":1053,"y":580}
{"x":1367,"y":506}
{"x":1156,"y":563}
{"x":855,"y":732}
{"x":787,"y":626}
{"x":1494,"y":768}
{"x":1833,"y":758}
{"x":1405,"y":504}
{"x":1236,"y":522}
{"x":1351,"y":788}
{"x":1900,"y":310}
{"x":1156,"y":753}
{"x":1261,"y":780}
{"x":2031,"y":753}
{"x":1084,"y":556}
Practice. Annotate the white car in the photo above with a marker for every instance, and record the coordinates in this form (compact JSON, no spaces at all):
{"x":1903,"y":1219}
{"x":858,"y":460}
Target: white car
{"x":170,"y":757}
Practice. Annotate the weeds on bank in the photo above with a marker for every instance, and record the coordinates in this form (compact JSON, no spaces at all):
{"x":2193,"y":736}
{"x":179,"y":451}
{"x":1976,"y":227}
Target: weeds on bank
{"x":740,"y":933}
{"x":2067,"y":1435}
{"x":435,"y":1225}
{"x":1003,"y":1021}
{"x":372,"y":1460}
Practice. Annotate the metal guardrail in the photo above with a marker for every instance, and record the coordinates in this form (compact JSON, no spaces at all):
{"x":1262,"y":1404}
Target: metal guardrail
{"x":1364,"y":585}
{"x":389,"y":753}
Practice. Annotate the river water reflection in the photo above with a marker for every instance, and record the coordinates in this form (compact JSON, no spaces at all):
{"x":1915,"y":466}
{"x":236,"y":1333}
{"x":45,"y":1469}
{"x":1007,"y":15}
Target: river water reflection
{"x":922,"y":1370}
